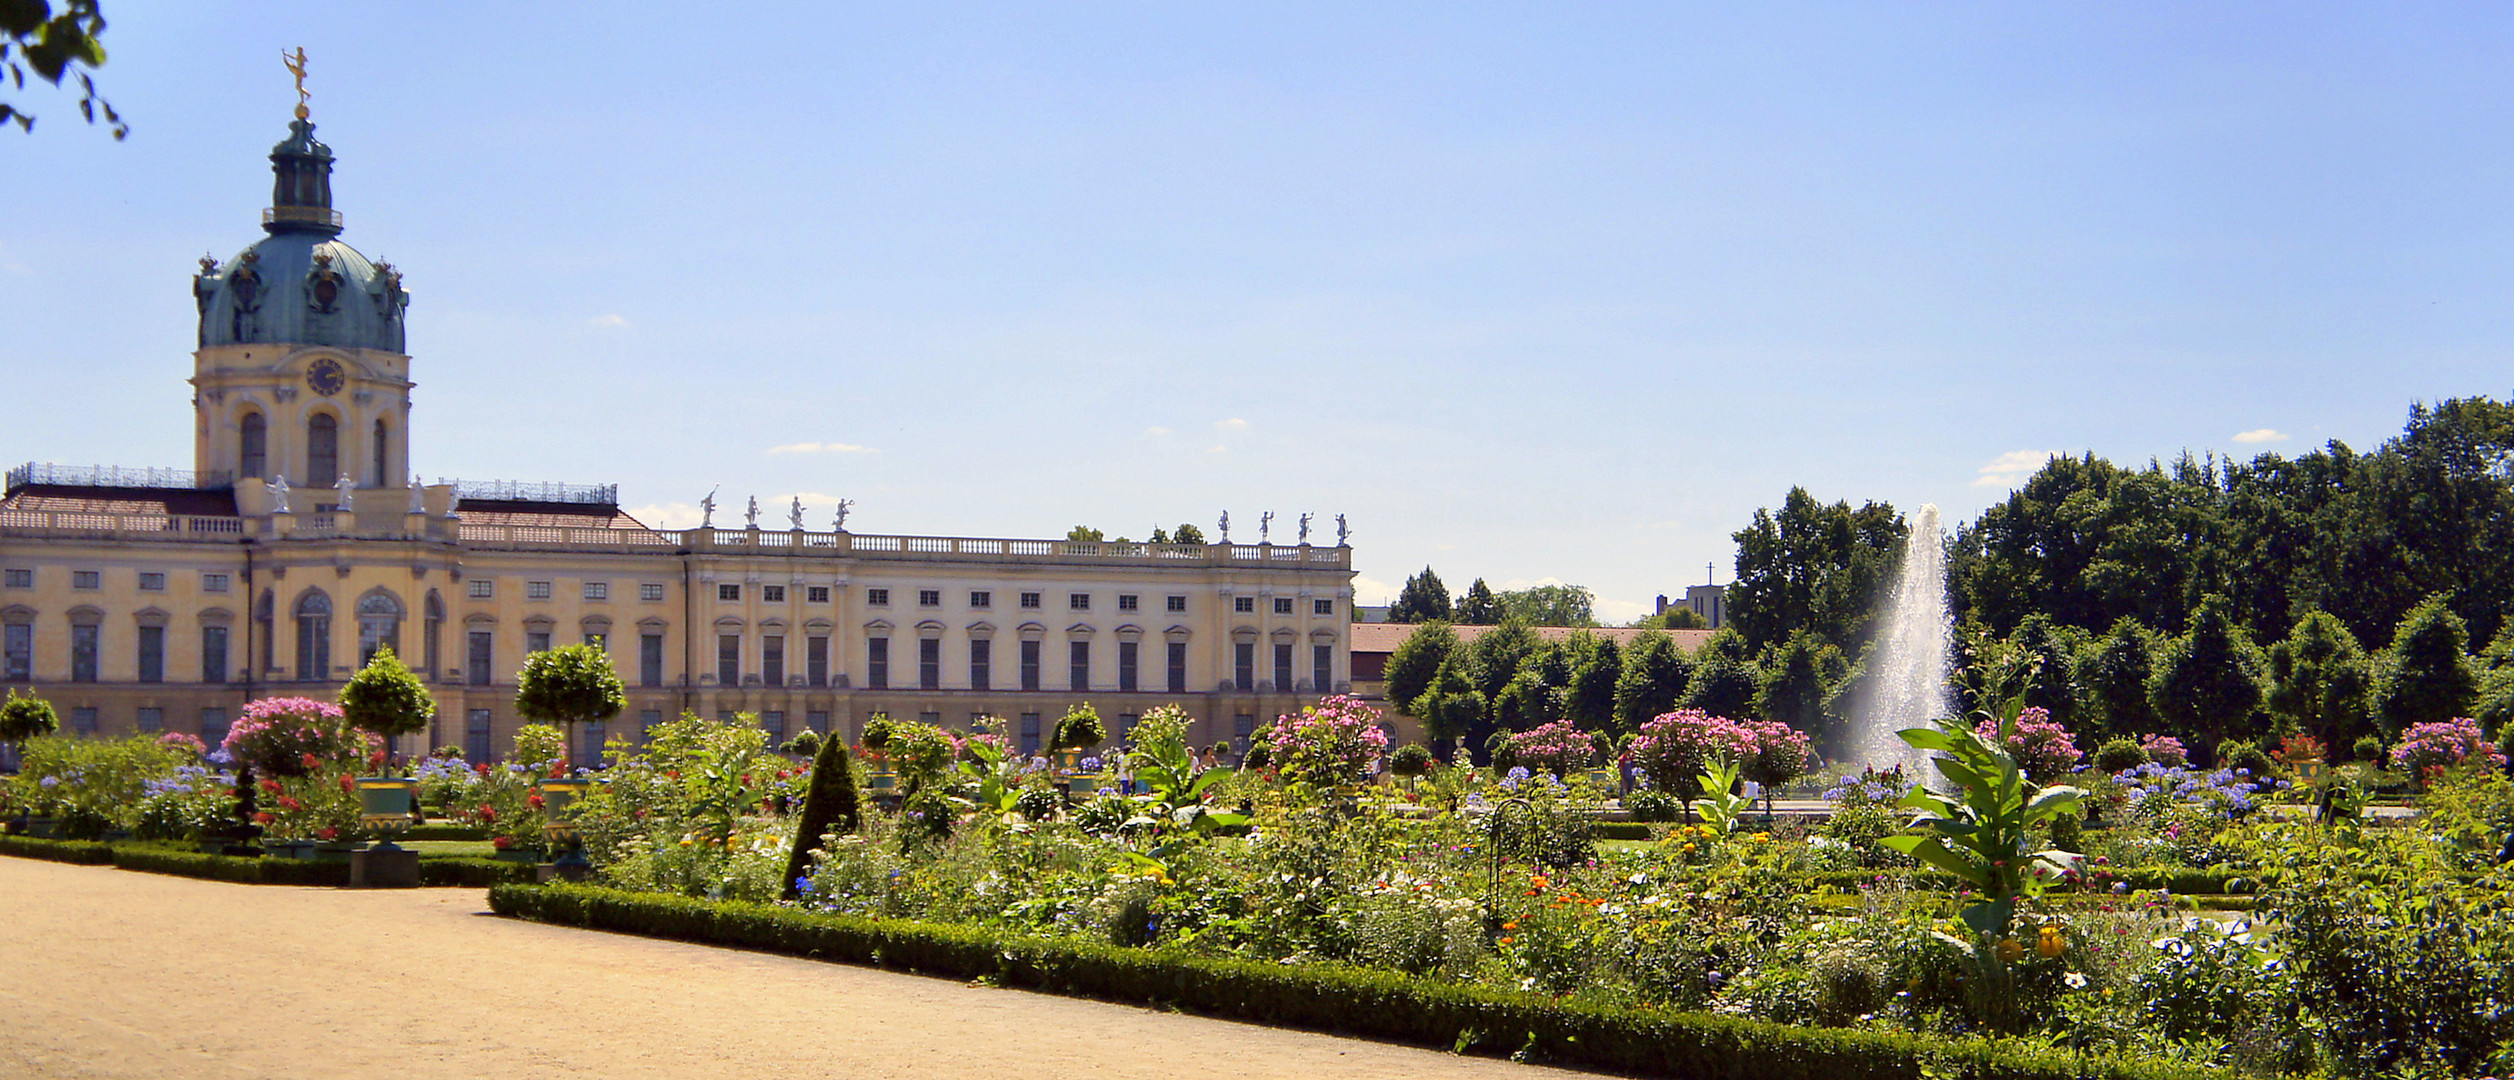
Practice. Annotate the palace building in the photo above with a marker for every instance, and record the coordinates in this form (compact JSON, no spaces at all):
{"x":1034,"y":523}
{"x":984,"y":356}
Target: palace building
{"x":146,"y":600}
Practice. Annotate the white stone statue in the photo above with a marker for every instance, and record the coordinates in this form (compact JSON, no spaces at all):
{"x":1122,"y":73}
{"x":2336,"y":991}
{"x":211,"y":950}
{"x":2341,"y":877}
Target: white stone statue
{"x":844,"y":505}
{"x":343,"y":490}
{"x":750,"y":517}
{"x":1265,"y":526}
{"x":1226,"y":526}
{"x":794,"y":514}
{"x":1343,"y":534}
{"x":279,"y":494}
{"x":418,"y":495}
{"x":707,"y":510}
{"x":1305,"y":516}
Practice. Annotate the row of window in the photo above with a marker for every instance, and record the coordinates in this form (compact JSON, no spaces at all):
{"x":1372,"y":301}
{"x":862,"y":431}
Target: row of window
{"x":481,"y":588}
{"x":982,"y":600}
{"x":150,"y":580}
{"x":17,"y":653}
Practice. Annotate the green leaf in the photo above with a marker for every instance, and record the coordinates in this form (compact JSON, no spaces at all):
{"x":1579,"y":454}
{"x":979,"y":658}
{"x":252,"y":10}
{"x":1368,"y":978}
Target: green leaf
{"x":1990,"y":918}
{"x":1928,"y":739}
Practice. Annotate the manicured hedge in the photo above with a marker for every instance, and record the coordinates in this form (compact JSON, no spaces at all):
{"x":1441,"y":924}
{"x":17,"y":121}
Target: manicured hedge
{"x":85,"y":852}
{"x":1330,"y":997}
{"x":457,"y":873}
{"x":443,"y":831}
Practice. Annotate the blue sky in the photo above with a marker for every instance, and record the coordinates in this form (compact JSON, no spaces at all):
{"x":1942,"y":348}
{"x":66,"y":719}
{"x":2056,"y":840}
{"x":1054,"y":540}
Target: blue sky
{"x":1530,"y":294}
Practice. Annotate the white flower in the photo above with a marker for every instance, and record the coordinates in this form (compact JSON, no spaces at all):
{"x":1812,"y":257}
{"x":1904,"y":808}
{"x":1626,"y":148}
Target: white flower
{"x":2076,"y":981}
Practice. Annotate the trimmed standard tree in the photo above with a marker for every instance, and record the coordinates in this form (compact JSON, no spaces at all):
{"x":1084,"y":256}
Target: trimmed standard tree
{"x":2318,"y":681}
{"x":830,"y":805}
{"x":28,"y":717}
{"x":2207,"y":685}
{"x":386,"y":699}
{"x":1424,"y":599}
{"x":2427,"y":675}
{"x":1723,"y":688}
{"x":570,"y":685}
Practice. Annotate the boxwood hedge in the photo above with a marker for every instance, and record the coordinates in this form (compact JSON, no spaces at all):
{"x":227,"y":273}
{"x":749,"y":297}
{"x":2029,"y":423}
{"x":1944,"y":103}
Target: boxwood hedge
{"x":1329,"y":997}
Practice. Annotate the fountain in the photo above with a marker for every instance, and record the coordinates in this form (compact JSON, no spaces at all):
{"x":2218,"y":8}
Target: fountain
{"x":1906,"y":684}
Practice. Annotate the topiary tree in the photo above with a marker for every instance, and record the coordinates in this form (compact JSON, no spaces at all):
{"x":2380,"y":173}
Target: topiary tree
{"x":830,"y":805}
{"x":1079,"y":729}
{"x":2427,"y":676}
{"x":26,"y":717}
{"x":2319,"y":678}
{"x":1722,"y":687}
{"x":386,"y":699}
{"x":1411,"y":760}
{"x":2119,"y":755}
{"x":570,"y":685}
{"x":2208,"y":683}
{"x":1450,"y":709}
{"x":2112,"y":677}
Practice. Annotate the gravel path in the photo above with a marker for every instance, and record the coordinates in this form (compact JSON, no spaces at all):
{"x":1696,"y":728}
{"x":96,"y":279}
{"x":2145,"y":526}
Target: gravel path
{"x":108,"y":973}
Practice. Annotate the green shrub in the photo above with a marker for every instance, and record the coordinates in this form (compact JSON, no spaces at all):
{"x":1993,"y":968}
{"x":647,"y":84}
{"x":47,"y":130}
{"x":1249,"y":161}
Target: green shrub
{"x":83,"y":852}
{"x":1412,"y":759}
{"x":1331,"y":997}
{"x":452,"y":873}
{"x":2120,"y":755}
{"x":2246,"y":754}
{"x":829,"y":804}
{"x":2367,"y":748}
{"x":1651,"y":804}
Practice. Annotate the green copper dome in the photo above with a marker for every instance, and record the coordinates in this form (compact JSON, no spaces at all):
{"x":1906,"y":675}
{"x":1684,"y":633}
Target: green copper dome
{"x":299,"y":285}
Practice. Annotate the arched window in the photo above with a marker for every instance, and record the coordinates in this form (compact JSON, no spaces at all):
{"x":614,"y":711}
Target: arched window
{"x":383,"y":458}
{"x":255,"y":440}
{"x":379,"y":625}
{"x":434,"y":612}
{"x":314,"y":637}
{"x":322,"y":450}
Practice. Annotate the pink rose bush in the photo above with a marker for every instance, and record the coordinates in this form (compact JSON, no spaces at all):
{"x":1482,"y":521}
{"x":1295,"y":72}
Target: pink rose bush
{"x":293,"y":736}
{"x":2425,"y":749}
{"x":2165,"y":750}
{"x":2041,"y":747}
{"x":1780,"y":753}
{"x":1332,"y":742}
{"x":1559,"y":748}
{"x":1672,"y":748}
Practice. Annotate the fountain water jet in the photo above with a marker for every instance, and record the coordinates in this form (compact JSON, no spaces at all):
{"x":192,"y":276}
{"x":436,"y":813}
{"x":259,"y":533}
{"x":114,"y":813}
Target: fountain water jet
{"x":1907,"y":679}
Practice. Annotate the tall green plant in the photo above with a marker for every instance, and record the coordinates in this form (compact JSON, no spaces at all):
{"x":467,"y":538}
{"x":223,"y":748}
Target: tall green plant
{"x":1978,"y":833}
{"x":830,"y":805}
{"x":570,"y":685}
{"x":386,"y":699}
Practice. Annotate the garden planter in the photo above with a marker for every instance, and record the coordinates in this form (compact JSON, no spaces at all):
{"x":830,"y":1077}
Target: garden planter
{"x":1083,"y":786}
{"x":384,"y":868}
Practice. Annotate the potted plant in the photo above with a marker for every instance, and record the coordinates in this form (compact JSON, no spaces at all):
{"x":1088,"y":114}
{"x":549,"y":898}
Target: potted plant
{"x":1078,"y":730}
{"x":23,"y":718}
{"x":567,"y":686}
{"x":385,"y":700}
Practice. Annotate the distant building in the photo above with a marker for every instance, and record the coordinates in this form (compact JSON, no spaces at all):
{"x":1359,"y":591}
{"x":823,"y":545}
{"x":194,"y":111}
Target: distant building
{"x":1372,"y":613}
{"x":1708,"y":601}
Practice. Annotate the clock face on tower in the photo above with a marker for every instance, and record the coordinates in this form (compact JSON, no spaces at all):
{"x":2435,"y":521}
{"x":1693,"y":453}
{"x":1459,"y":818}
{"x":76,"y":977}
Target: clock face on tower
{"x":326,"y":377}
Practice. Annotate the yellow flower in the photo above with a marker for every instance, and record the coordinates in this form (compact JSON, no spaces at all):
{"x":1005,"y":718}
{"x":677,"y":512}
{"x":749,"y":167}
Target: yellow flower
{"x":2010,"y":951}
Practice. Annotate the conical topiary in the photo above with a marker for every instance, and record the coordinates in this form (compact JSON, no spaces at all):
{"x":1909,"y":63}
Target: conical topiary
{"x":830,"y":803}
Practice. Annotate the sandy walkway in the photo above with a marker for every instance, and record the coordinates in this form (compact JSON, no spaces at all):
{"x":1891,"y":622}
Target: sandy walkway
{"x":107,"y":973}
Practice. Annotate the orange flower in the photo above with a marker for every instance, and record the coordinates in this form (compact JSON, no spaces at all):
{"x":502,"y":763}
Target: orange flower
{"x":1512,"y":925}
{"x":1504,"y":940}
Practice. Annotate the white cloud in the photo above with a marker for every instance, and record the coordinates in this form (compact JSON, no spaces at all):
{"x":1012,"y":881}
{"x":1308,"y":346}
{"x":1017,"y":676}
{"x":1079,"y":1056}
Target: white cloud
{"x":822,"y":448}
{"x":607,"y":322}
{"x":2261,"y":435}
{"x":1217,"y":448}
{"x":1372,"y":591}
{"x":1232,"y":424}
{"x":2009,"y":468}
{"x":1619,"y":612}
{"x":679,"y":515}
{"x":1156,"y":431}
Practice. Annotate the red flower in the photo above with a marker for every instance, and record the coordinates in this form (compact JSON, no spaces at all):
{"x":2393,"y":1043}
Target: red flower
{"x":501,"y":842}
{"x":263,"y":818}
{"x":533,"y":800}
{"x":290,"y":804}
{"x":376,"y":759}
{"x":674,"y":774}
{"x":312,"y":761}
{"x":347,"y":784}
{"x":558,"y":772}
{"x":270,"y":787}
{"x":488,"y":813}
{"x":327,"y":833}
{"x":483,"y":768}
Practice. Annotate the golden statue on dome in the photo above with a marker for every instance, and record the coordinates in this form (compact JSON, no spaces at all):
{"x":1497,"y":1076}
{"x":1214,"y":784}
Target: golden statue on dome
{"x":297,"y":66}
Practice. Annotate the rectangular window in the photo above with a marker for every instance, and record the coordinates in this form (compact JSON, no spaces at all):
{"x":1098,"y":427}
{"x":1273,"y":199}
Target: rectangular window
{"x":1244,"y":666}
{"x":929,"y":597}
{"x":1175,"y":604}
{"x":1126,"y":653}
{"x":152,"y":719}
{"x":817,"y":720}
{"x":1283,"y":668}
{"x":1080,"y":601}
{"x":1128,"y":602}
{"x":21,"y":579}
{"x":1322,"y":607}
{"x":981,"y":600}
{"x":650,"y":591}
{"x":1124,"y":729}
{"x":536,"y":590}
{"x":773,"y":722}
{"x":729,"y":593}
{"x":151,"y":581}
{"x":1178,"y":667}
{"x":86,"y":579}
{"x":20,"y":652}
{"x":83,"y":720}
{"x":929,"y":663}
{"x":930,"y":719}
{"x":650,"y":659}
{"x":647,"y":721}
{"x":1078,"y":664}
{"x":729,"y":659}
{"x":1029,"y":665}
{"x":1030,"y":740}
{"x":981,"y":657}
{"x":213,"y":725}
{"x":1322,"y":668}
{"x":214,"y":654}
{"x":476,"y":745}
{"x":476,"y":659}
{"x":877,"y":663}
{"x":593,"y":734}
{"x":1030,"y":600}
{"x":816,"y":660}
{"x":877,"y":597}
{"x":772,"y":594}
{"x":1283,"y":605}
{"x":536,"y":641}
{"x":83,"y":641}
{"x":772,"y":659}
{"x":599,"y":641}
{"x":152,"y":654}
{"x":481,"y":588}
{"x":597,"y":590}
{"x":816,"y":594}
{"x":1243,"y":731}
{"x":1245,"y":605}
{"x":214,"y":583}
